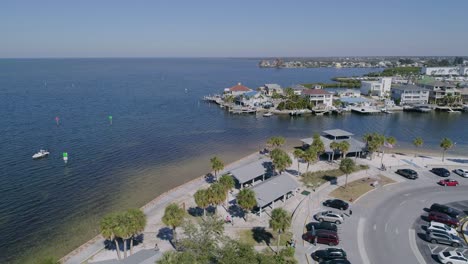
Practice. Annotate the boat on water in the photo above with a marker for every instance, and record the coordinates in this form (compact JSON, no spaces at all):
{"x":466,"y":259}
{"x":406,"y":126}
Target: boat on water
{"x":297,"y":112}
{"x":41,"y":154}
{"x":451,"y":111}
{"x":268,"y":114}
{"x":418,"y":108}
{"x":386,"y":111}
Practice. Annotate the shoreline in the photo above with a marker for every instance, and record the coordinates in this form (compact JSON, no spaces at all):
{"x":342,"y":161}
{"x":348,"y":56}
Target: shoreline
{"x":166,"y":197}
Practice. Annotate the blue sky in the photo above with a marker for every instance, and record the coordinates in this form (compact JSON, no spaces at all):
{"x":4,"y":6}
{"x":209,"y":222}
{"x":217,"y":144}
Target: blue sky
{"x":255,"y":28}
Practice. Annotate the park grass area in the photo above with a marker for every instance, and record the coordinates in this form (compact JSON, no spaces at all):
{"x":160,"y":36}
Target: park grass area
{"x":357,"y":188}
{"x":259,"y":236}
{"x":316,"y":178}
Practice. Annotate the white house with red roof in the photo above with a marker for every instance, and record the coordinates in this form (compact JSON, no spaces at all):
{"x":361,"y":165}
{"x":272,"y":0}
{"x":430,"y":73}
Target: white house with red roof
{"x":237,"y":90}
{"x":319,"y":97}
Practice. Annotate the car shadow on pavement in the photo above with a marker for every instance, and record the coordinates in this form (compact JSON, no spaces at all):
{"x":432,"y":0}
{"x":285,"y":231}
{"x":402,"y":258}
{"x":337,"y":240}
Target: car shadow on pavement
{"x":422,"y":236}
{"x":435,"y":258}
{"x":425,"y":218}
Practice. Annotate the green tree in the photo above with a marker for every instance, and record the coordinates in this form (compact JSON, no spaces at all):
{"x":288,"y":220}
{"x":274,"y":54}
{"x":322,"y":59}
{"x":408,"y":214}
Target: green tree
{"x":417,"y":142}
{"x":347,"y":166}
{"x":280,"y":159}
{"x":445,"y":144}
{"x":298,"y":155}
{"x":173,"y":217}
{"x":318,"y":145}
{"x":48,"y":260}
{"x":227,"y":181}
{"x":275,"y":142}
{"x":280,"y":221}
{"x":335,"y":146}
{"x":246,"y":200}
{"x":289,"y":92}
{"x":123,"y":229}
{"x":344,"y":146}
{"x":374,"y":142}
{"x":202,"y":199}
{"x":310,"y":156}
{"x":217,"y":194}
{"x":216,"y":165}
{"x":108,"y":227}
{"x":137,"y":224}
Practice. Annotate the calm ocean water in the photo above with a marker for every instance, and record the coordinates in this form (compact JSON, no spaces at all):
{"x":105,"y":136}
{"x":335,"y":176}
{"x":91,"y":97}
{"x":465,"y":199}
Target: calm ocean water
{"x":161,"y":136}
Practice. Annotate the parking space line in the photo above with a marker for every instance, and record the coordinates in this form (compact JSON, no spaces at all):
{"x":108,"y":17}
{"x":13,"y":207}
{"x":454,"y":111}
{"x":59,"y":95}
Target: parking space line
{"x":433,"y":249}
{"x":414,"y":247}
{"x":443,"y":250}
{"x":386,"y":225}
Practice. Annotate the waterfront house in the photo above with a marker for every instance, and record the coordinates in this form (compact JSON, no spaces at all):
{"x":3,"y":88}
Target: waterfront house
{"x":319,"y":97}
{"x":237,"y":90}
{"x":439,"y":90}
{"x":380,"y":88}
{"x":348,"y":93}
{"x":251,"y":98}
{"x":356,"y":148}
{"x":272,"y":88}
{"x":463,"y":94}
{"x":298,"y":89}
{"x":410,"y":94}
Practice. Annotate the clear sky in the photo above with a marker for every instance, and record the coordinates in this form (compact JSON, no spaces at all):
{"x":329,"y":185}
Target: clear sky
{"x":254,"y":28}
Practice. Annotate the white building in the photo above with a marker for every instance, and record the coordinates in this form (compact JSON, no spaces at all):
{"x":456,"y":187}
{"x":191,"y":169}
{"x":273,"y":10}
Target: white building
{"x":319,"y":97}
{"x":440,"y":71}
{"x":410,"y":94}
{"x":237,"y":90}
{"x":298,"y":89}
{"x":379,"y":88}
{"x":272,"y":88}
{"x":464,"y":70}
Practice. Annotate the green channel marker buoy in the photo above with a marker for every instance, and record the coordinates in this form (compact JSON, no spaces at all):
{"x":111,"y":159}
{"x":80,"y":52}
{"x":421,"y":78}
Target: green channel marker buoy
{"x":65,"y":157}
{"x":110,"y":119}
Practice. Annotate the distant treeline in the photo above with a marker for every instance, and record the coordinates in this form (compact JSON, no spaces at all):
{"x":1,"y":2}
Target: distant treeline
{"x":338,"y":82}
{"x":402,"y":71}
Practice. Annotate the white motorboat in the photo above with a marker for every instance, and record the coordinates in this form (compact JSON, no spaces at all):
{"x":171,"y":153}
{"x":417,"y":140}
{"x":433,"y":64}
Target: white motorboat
{"x":451,"y":111}
{"x":41,"y":154}
{"x":268,"y":114}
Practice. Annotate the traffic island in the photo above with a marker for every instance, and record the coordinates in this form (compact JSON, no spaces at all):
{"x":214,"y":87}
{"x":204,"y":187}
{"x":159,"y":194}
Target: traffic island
{"x":357,"y":188}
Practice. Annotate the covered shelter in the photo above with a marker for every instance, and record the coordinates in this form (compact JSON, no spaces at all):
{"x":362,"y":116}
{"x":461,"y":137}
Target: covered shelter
{"x":250,"y":172}
{"x":279,"y":187}
{"x":356,"y":147}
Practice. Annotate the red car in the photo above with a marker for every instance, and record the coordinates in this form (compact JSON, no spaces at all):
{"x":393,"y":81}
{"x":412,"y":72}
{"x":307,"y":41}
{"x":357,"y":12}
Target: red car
{"x":443,"y":218}
{"x":322,"y":236}
{"x":448,"y":182}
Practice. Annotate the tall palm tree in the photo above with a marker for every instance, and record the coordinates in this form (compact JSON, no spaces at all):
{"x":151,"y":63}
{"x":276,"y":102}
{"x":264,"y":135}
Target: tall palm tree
{"x":123,"y":229}
{"x":280,"y":221}
{"x":347,"y":166}
{"x":418,"y":142}
{"x":217,"y":194}
{"x":280,"y":159}
{"x":246,"y":200}
{"x":298,"y":154}
{"x":334,"y":147}
{"x":173,"y":217}
{"x":391,"y":141}
{"x":138,"y":224}
{"x":310,"y":156}
{"x":318,"y":145}
{"x":445,"y":144}
{"x":202,"y":199}
{"x":227,"y":181}
{"x":275,"y":142}
{"x":216,"y":165}
{"x":107,"y":227}
{"x":344,"y":148}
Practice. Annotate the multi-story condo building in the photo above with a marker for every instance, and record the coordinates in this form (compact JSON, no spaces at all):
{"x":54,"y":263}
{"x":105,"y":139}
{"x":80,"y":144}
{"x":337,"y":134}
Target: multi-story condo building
{"x":410,"y":94}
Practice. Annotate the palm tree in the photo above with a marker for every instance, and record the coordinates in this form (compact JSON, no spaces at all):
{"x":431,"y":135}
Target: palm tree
{"x":202,"y":199}
{"x":344,"y":148}
{"x":318,"y":145}
{"x":138,"y":224}
{"x":173,"y":217}
{"x":217,"y":194}
{"x":275,"y":142}
{"x":280,"y":159}
{"x":445,"y":144}
{"x":216,"y":165}
{"x":246,"y":200}
{"x":228,"y":183}
{"x":123,"y":229}
{"x":280,"y":221}
{"x":334,"y":147}
{"x":417,"y":142}
{"x":347,"y":166}
{"x":298,"y":154}
{"x":107,"y":227}
{"x":310,"y":156}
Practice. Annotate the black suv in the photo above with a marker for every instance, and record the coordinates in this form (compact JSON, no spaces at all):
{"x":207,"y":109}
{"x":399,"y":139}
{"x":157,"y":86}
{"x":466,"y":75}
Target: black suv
{"x":408,"y":173}
{"x":442,"y":172}
{"x":336,"y":203}
{"x":445,"y":209}
{"x":321,"y":226}
{"x":328,"y":254}
{"x":335,"y":261}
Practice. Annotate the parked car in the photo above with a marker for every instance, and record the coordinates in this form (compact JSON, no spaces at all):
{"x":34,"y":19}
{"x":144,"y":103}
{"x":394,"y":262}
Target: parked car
{"x":442,"y":172}
{"x":461,"y":172}
{"x":329,"y":216}
{"x":322,"y":236}
{"x":443,"y":218}
{"x":443,"y":238}
{"x":408,"y":173}
{"x":321,"y":226}
{"x":448,"y":182}
{"x":336,"y":203}
{"x":453,"y":257}
{"x":328,"y":254}
{"x":445,"y":209}
{"x":441,"y":227}
{"x":335,"y":261}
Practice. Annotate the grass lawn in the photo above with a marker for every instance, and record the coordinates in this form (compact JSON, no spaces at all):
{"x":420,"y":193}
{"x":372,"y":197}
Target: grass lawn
{"x":317,"y":178}
{"x":357,"y":188}
{"x":259,"y":236}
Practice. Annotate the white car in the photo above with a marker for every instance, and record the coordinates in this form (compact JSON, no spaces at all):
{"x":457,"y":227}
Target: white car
{"x":329,"y":216}
{"x":462,"y":172}
{"x":442,"y":227}
{"x":453,"y":257}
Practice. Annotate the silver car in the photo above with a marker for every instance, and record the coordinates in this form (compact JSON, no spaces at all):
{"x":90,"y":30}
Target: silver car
{"x":462,"y":172}
{"x":443,"y":238}
{"x":329,"y":216}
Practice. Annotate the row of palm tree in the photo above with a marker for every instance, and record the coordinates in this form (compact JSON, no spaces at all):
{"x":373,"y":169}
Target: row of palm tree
{"x":124,"y":225}
{"x":341,"y":147}
{"x":216,"y":194}
{"x":174,"y":217}
{"x":216,"y":165}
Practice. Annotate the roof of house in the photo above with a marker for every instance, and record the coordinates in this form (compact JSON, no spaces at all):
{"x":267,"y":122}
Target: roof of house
{"x":409,"y":87}
{"x":298,"y":87}
{"x":338,"y":133}
{"x":274,"y":188}
{"x":252,"y":170}
{"x":239,"y":88}
{"x":315,"y":92}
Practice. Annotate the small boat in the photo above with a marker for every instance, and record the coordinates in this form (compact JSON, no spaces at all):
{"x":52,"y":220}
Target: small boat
{"x":268,"y":114}
{"x":41,"y":154}
{"x":386,"y":111}
{"x":451,"y":111}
